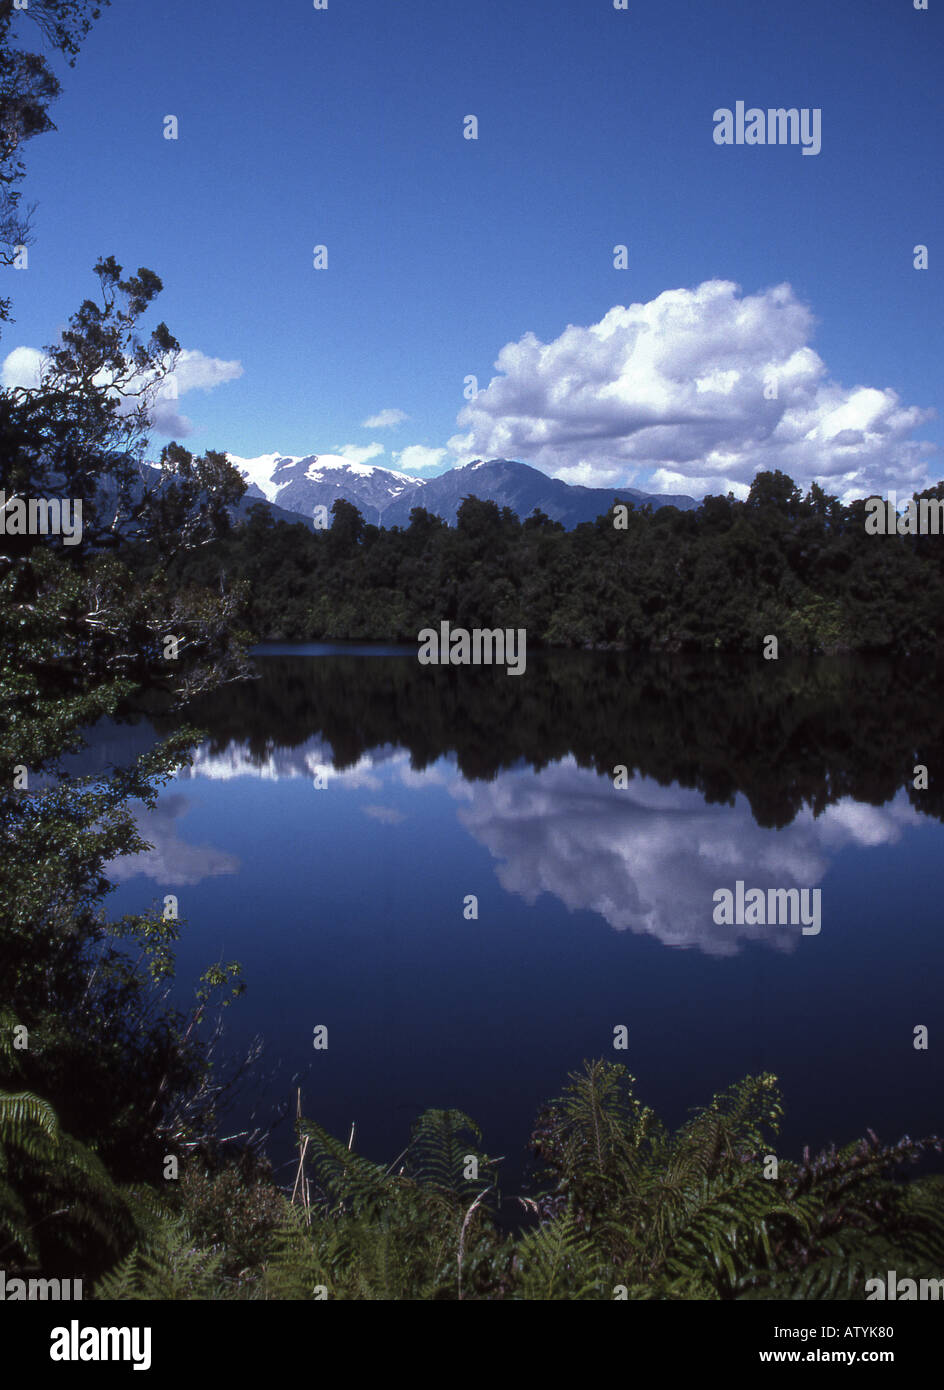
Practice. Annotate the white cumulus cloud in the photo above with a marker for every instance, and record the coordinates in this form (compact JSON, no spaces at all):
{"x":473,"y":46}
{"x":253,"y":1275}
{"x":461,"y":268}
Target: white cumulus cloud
{"x":21,"y":367}
{"x":384,"y":420}
{"x":678,"y":391}
{"x":194,"y":371}
{"x":197,"y":372}
{"x":360,"y":453}
{"x":649,"y":858}
{"x":166,"y":419}
{"x":416,"y":457}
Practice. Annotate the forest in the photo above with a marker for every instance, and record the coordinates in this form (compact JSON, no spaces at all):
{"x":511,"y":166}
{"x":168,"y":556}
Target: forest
{"x":723,"y":577}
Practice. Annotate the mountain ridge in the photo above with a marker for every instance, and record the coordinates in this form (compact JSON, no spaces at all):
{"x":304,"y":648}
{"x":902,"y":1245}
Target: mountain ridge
{"x":298,"y":484}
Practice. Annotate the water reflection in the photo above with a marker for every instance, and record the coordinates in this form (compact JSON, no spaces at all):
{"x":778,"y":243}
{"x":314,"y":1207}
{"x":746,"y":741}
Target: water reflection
{"x":763,"y":777}
{"x":647,"y":857}
{"x":345,"y":904}
{"x":171,"y":859}
{"x":785,"y":735}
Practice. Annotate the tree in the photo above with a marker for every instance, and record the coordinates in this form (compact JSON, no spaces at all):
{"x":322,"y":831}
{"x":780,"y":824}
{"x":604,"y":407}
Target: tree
{"x":347,"y":529}
{"x":81,"y":433}
{"x":83,"y":628}
{"x":540,"y":521}
{"x":775,"y":490}
{"x":478,"y":519}
{"x":421,"y":530}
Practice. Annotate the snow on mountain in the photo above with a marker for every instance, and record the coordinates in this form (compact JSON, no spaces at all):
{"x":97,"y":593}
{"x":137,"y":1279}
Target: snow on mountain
{"x":320,"y":462}
{"x":386,"y":497}
{"x":260,"y":471}
{"x":300,"y":484}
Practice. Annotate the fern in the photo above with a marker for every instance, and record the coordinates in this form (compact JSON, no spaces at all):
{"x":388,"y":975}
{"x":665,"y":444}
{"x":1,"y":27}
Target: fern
{"x":174,"y":1269}
{"x":441,"y":1144}
{"x":669,"y":1216}
{"x":46,"y":1175}
{"x":556,"y":1261}
{"x":689,"y":1214}
{"x":21,"y":1116}
{"x":345,"y":1179}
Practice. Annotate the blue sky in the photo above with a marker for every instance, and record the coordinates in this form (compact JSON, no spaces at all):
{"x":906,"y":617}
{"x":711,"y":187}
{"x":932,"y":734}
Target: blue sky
{"x":344,"y":127}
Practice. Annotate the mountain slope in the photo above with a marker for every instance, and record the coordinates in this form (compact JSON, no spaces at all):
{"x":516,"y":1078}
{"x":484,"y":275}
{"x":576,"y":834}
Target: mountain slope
{"x":317,"y":480}
{"x":522,"y":488}
{"x":386,"y":497}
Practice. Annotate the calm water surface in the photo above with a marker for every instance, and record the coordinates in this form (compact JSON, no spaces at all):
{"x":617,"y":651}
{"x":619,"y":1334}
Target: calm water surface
{"x":344,"y":903}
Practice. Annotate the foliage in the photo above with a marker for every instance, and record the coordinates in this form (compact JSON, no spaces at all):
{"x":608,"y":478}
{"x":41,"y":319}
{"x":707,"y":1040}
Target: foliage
{"x":719,"y":578}
{"x":46,"y":1174}
{"x":625,"y":1209}
{"x":699,"y":1213}
{"x":85,"y":1027}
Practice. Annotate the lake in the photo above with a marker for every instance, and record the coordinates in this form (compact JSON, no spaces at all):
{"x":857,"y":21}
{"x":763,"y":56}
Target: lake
{"x":347,"y":805}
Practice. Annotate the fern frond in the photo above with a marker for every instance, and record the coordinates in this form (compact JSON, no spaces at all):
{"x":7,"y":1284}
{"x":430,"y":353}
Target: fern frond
{"x":556,"y":1262}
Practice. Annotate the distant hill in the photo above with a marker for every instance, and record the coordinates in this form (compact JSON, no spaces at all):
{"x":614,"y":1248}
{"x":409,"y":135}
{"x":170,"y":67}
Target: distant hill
{"x":522,"y":488}
{"x":385,"y":497}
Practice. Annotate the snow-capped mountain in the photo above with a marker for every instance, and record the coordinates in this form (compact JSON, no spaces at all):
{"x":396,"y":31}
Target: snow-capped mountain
{"x":385,"y":497}
{"x":301,"y":484}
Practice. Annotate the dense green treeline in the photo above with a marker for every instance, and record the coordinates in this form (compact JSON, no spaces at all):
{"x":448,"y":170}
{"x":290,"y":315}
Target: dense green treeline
{"x":723,"y":576}
{"x":795,"y":733}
